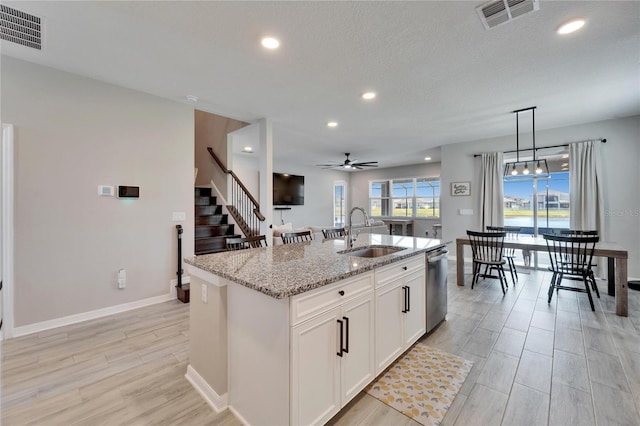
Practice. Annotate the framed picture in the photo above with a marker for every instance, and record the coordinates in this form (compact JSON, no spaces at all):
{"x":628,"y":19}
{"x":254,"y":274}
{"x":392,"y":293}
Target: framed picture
{"x":460,"y":188}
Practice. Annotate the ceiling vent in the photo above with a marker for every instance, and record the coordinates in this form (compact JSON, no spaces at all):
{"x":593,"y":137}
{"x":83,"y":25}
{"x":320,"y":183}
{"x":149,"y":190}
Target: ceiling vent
{"x":20,"y":27}
{"x":498,"y":12}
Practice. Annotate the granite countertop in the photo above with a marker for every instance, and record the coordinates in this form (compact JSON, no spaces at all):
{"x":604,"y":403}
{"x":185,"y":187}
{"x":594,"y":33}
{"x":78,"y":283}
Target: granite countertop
{"x":286,"y":270}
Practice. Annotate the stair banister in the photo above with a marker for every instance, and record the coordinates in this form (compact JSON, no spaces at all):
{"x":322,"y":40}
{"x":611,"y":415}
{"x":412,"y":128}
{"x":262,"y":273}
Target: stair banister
{"x":244,"y":207}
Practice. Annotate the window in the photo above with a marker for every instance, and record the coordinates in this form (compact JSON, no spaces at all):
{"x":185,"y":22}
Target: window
{"x":339,"y":203}
{"x":409,"y":197}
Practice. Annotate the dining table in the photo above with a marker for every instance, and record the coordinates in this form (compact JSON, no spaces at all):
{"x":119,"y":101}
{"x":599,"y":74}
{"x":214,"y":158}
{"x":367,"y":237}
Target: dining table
{"x":616,"y":264}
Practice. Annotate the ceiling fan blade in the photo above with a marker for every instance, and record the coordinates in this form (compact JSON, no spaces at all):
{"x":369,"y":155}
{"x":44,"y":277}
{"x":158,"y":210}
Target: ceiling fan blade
{"x":329,"y":165}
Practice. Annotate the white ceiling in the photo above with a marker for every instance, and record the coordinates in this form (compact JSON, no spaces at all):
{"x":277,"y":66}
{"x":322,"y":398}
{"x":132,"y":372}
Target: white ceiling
{"x":441,"y":78}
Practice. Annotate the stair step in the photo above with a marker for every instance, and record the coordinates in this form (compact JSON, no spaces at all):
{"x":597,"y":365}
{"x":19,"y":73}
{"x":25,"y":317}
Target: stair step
{"x":213,"y":230}
{"x":202,"y":192}
{"x":207,"y":210}
{"x":205,"y":201}
{"x":214,"y":219}
{"x":211,"y":244}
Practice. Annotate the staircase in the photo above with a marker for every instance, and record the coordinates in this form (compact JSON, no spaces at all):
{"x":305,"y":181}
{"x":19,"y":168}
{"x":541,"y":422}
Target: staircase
{"x":211,"y":225}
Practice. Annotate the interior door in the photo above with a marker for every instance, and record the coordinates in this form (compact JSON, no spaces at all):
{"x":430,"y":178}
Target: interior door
{"x":1,"y":228}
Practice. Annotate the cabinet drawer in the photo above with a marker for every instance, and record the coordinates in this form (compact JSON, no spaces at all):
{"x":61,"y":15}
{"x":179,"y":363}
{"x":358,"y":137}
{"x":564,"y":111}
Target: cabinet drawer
{"x":314,"y":302}
{"x":399,"y":269}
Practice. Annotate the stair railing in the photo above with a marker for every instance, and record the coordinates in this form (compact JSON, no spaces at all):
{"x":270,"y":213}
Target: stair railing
{"x":244,"y":207}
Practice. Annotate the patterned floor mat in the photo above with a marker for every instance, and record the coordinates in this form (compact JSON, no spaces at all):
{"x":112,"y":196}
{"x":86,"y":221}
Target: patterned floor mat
{"x":422,"y":384}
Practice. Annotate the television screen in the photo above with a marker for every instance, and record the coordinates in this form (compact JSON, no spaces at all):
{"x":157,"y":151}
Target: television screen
{"x":288,"y":190}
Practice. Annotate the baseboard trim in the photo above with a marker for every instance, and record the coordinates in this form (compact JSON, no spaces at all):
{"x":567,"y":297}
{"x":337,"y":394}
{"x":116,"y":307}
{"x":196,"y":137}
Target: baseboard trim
{"x":219,"y":403}
{"x":85,"y":316}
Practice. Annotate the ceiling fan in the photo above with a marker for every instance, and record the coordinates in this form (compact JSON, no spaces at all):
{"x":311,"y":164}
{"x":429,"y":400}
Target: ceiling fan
{"x":349,"y":164}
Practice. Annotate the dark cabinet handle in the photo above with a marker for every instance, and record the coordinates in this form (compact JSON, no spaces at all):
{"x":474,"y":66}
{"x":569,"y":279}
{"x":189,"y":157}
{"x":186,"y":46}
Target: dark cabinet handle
{"x":341,"y":292}
{"x":404,"y":301}
{"x":408,"y":299}
{"x":341,"y":338}
{"x":346,"y":321}
{"x":404,"y":268}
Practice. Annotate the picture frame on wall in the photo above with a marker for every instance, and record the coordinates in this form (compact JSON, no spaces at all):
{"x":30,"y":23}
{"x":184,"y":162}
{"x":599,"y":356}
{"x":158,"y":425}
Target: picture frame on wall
{"x":460,"y":189}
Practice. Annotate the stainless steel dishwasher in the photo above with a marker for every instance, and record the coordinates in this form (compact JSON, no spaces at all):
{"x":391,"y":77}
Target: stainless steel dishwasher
{"x":436,"y":293}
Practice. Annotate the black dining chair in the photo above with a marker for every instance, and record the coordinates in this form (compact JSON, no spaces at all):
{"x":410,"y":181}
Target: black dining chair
{"x":509,"y":253}
{"x":334,"y":233}
{"x":296,"y":237}
{"x":581,"y":232}
{"x":570,"y":257}
{"x":487,"y":250}
{"x":242,"y":243}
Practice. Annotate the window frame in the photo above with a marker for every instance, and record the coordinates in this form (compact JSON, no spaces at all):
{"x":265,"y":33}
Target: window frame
{"x":387,"y":201}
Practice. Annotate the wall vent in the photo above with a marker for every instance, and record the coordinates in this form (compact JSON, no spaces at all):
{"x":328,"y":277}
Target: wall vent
{"x":498,"y":12}
{"x":20,"y":27}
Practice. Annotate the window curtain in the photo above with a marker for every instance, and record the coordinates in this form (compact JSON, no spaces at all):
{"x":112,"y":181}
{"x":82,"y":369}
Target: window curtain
{"x":491,"y":190}
{"x":586,"y":208}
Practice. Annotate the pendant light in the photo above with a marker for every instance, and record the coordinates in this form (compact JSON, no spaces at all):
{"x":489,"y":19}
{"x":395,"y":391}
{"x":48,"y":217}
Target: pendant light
{"x":539,"y":166}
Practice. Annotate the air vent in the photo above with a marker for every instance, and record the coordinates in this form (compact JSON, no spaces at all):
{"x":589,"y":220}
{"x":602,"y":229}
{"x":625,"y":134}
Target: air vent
{"x":20,"y":27}
{"x":498,"y":12}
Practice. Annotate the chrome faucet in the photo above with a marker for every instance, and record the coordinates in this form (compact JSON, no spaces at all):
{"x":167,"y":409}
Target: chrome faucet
{"x":351,"y":237}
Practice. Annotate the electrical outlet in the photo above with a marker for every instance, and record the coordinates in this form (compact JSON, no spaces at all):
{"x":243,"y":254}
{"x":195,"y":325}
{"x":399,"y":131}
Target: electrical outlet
{"x":204,"y":293}
{"x":122,"y":279}
{"x":465,"y":212}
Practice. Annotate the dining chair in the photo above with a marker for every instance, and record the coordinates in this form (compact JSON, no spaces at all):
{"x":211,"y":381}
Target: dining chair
{"x":508,"y":253}
{"x":296,"y":237}
{"x":334,"y":232}
{"x":581,"y":232}
{"x":241,"y":243}
{"x":570,"y":257}
{"x":487,"y":250}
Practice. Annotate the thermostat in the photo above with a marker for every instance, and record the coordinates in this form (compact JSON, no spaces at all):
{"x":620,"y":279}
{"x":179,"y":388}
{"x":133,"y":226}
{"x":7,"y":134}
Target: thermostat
{"x":128,"y":191}
{"x":105,"y":190}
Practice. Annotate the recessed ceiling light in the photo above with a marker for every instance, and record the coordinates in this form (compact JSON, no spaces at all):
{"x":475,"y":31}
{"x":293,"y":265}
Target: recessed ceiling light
{"x":427,"y":158}
{"x":571,"y":26}
{"x":270,"y":42}
{"x":332,"y":124}
{"x":368,"y":95}
{"x":192,"y":98}
{"x":247,"y":149}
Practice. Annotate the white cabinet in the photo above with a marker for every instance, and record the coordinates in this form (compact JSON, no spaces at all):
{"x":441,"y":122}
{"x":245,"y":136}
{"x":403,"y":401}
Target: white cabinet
{"x":332,"y":354}
{"x":400,"y":309}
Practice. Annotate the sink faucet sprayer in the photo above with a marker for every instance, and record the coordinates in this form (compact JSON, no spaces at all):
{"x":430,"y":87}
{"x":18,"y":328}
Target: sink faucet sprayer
{"x":351,"y":237}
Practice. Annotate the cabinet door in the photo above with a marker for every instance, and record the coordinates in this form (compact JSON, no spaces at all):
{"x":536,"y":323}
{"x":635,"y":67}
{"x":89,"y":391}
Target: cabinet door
{"x":358,"y":365}
{"x":389,"y":323}
{"x":415,"y":321}
{"x":315,"y":369}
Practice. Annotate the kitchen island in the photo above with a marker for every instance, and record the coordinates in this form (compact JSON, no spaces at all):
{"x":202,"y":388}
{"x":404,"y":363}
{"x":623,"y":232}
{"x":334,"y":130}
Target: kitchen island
{"x":289,"y":334}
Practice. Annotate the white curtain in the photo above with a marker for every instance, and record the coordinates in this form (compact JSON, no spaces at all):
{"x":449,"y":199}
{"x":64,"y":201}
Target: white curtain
{"x":586,"y":207}
{"x":491,"y":190}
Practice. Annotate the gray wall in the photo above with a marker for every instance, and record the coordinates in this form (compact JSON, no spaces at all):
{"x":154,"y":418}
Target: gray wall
{"x":318,"y":195}
{"x":73,"y":134}
{"x":620,"y":158}
{"x":360,"y":188}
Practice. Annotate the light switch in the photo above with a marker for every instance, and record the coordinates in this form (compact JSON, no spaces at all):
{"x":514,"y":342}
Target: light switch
{"x":179,"y":216}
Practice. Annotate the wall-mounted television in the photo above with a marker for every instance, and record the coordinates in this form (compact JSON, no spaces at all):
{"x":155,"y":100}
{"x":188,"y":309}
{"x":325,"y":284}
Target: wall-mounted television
{"x":288,"y":190}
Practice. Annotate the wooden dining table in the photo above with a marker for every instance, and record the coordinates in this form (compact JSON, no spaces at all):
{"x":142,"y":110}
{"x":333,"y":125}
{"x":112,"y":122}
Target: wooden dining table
{"x":615,"y":254}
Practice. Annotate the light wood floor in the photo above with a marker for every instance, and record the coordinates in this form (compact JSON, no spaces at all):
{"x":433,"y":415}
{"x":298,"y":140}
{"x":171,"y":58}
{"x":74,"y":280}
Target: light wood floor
{"x":558,"y":364}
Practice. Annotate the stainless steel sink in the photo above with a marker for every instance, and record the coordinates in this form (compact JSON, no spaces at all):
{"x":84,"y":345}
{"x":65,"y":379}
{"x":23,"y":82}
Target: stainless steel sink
{"x":371,"y":251}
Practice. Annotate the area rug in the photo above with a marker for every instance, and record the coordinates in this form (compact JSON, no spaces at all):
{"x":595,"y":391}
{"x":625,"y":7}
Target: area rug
{"x":422,"y":384}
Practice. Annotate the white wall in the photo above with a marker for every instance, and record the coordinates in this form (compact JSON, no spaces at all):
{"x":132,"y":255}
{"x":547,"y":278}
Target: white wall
{"x":360,"y":188}
{"x":620,"y":157}
{"x":73,"y":134}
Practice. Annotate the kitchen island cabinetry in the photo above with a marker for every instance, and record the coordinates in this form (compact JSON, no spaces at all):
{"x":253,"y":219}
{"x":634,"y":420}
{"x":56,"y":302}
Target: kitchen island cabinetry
{"x":400,"y":309}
